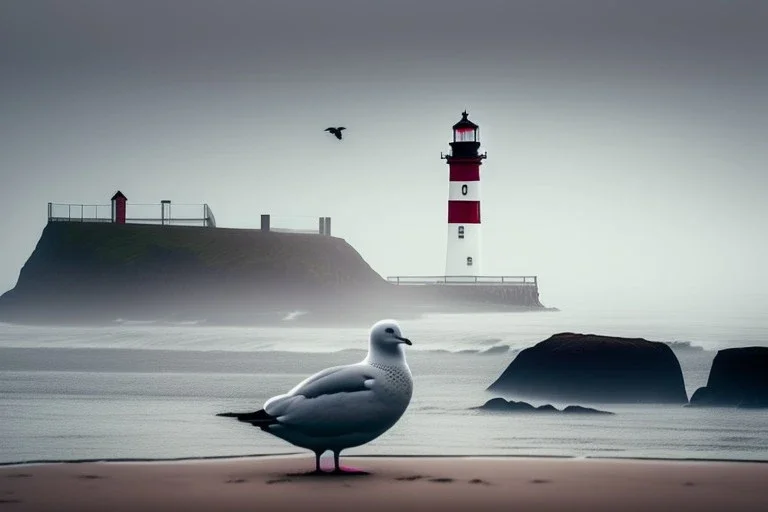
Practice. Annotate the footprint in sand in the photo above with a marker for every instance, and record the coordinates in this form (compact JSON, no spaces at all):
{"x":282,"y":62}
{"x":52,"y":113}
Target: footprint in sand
{"x":479,"y":481}
{"x":90,"y":477}
{"x":19,"y":475}
{"x":540,"y":481}
{"x":441,"y":480}
{"x":689,"y":484}
{"x":236,"y":481}
{"x":278,"y":480}
{"x":8,"y":500}
{"x":409,"y":478}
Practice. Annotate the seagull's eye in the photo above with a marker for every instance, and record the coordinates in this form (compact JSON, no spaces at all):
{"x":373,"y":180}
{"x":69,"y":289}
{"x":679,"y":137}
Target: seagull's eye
{"x":389,"y":330}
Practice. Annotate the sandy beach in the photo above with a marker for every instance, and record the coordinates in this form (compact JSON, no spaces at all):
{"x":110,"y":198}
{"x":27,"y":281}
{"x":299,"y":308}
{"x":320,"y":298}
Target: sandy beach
{"x":402,"y":483}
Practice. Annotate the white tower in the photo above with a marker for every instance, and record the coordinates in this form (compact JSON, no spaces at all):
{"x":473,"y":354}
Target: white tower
{"x":463,"y":252}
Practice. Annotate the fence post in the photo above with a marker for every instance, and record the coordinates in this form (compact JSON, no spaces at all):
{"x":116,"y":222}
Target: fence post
{"x":328,"y":226}
{"x":50,"y":211}
{"x":265,"y":222}
{"x":322,"y":226}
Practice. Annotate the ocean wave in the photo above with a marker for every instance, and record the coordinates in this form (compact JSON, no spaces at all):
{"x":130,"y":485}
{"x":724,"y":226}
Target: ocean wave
{"x":685,"y":345}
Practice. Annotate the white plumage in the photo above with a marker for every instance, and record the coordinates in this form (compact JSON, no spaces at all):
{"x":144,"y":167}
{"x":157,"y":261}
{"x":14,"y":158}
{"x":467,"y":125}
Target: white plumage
{"x":344,"y":406}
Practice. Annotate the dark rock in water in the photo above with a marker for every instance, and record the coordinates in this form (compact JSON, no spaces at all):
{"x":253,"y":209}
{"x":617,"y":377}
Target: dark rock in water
{"x":495,"y":404}
{"x":577,"y":409}
{"x":593,"y":368}
{"x":738,"y":378}
{"x":499,"y":404}
{"x":520,"y":406}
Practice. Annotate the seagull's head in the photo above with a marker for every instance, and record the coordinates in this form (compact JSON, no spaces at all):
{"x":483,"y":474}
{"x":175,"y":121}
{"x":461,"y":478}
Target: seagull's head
{"x":386,"y":335}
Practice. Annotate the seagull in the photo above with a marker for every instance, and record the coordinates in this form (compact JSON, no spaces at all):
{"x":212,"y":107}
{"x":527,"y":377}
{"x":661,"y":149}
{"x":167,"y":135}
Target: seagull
{"x":343,"y":406}
{"x":335,"y":131}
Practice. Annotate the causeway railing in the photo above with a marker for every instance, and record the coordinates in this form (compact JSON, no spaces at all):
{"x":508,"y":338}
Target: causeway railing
{"x":465,"y":280}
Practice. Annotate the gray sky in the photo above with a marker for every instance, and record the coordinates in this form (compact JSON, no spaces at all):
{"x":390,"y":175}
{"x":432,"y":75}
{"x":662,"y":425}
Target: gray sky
{"x":626,"y":140}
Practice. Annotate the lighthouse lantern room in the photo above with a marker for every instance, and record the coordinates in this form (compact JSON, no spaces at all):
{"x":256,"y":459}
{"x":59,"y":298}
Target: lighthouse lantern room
{"x":463,"y":251}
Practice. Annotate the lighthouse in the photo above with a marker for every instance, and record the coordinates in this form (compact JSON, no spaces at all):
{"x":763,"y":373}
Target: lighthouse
{"x":463,"y":251}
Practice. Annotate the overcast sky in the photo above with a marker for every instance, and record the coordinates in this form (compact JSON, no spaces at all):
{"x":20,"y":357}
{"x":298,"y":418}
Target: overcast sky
{"x":627,"y":156}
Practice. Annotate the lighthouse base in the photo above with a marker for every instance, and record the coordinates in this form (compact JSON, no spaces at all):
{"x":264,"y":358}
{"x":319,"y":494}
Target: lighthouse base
{"x":470,"y":293}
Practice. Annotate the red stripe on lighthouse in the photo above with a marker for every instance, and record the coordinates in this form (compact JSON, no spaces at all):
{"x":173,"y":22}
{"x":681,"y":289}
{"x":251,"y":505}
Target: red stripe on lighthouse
{"x":464,"y":172}
{"x":463,"y":212}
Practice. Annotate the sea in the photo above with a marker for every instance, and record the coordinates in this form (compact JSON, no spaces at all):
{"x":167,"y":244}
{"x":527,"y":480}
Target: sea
{"x":150,"y":391}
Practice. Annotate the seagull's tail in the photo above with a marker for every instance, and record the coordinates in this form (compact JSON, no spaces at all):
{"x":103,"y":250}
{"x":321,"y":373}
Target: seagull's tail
{"x":258,"y":419}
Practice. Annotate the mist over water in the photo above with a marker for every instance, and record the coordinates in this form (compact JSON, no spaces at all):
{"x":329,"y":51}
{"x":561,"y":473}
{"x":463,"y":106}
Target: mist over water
{"x":453,"y":333}
{"x":152,"y":391}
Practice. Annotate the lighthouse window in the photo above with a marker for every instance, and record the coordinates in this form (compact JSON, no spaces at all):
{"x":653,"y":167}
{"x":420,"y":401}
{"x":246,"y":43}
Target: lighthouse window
{"x":469,"y":261}
{"x":461,"y":231}
{"x":465,"y":135}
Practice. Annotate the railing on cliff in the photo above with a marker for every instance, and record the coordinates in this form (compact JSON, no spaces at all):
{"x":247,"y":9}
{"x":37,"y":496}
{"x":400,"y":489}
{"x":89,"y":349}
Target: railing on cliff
{"x":165,"y":214}
{"x":296,"y":224}
{"x":465,"y":280}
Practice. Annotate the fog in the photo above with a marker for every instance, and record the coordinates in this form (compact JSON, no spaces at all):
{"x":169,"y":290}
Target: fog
{"x":626,"y":140}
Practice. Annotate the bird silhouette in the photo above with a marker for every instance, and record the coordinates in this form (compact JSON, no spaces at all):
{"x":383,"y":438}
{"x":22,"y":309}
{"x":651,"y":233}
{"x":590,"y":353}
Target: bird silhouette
{"x":335,"y":131}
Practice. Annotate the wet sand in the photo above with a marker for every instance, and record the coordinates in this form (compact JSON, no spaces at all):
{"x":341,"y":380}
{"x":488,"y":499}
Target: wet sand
{"x":397,"y":483}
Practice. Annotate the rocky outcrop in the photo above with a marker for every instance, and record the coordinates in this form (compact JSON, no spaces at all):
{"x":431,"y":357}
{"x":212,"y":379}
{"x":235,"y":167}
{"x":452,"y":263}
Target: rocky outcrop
{"x":94,"y":272}
{"x":501,"y":405}
{"x":598,"y":369}
{"x":738,"y":378}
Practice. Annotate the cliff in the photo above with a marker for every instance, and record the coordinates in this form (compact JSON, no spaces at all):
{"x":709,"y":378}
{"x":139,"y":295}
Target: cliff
{"x":598,"y":369}
{"x":98,"y":273}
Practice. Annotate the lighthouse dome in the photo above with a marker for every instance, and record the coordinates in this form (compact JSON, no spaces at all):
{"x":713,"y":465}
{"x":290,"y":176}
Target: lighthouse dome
{"x":465,"y":123}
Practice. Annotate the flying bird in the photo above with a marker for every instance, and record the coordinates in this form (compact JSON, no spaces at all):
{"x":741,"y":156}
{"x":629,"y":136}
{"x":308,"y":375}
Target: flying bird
{"x":344,"y":406}
{"x":335,"y":131}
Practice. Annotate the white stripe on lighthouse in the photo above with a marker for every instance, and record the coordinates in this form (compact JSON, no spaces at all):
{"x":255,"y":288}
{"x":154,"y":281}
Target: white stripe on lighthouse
{"x":464,"y":191}
{"x":463,"y":256}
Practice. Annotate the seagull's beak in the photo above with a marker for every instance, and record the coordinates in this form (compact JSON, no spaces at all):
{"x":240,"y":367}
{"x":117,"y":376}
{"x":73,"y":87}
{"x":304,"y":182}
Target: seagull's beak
{"x":404,"y":340}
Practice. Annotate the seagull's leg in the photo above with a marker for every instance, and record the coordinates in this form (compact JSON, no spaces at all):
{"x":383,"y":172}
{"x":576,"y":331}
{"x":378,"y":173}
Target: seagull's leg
{"x":348,"y":471}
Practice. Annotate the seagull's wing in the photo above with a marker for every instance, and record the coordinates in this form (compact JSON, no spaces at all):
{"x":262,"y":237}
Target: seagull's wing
{"x":330,"y":130}
{"x":339,"y":379}
{"x":341,"y":128}
{"x":336,"y":400}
